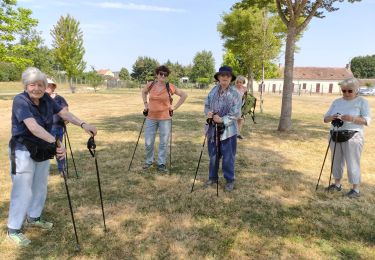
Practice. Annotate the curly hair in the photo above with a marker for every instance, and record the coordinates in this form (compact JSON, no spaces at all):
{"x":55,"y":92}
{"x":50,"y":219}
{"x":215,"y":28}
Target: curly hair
{"x":162,"y":68}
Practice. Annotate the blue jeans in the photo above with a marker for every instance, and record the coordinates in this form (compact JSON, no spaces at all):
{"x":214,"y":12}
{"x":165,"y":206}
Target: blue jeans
{"x":227,"y":150}
{"x":150,"y":134}
{"x":59,"y":133}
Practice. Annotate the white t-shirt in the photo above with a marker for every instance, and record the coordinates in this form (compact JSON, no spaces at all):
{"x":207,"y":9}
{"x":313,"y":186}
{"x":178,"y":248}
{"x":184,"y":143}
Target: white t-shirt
{"x":355,"y":107}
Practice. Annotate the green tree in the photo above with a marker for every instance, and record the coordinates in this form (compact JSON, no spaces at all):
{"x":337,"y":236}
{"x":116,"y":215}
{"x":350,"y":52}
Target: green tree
{"x":203,"y":66}
{"x":144,"y":69}
{"x":13,"y":24}
{"x":93,"y":78}
{"x":124,"y":74}
{"x":363,"y":66}
{"x":42,"y":57}
{"x":296,"y":15}
{"x":177,"y":71}
{"x":68,"y":47}
{"x":253,"y":38}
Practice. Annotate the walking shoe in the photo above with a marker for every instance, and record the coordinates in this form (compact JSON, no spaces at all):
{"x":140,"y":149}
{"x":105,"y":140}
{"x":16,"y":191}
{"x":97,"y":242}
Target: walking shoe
{"x":333,"y":187}
{"x":239,"y":137}
{"x":162,"y":168}
{"x":18,"y":238}
{"x":353,"y":194}
{"x":229,"y":186}
{"x":40,"y":223}
{"x":209,"y":183}
{"x":146,"y":166}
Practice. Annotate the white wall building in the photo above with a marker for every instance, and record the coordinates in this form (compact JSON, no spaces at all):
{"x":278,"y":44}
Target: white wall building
{"x":309,"y":80}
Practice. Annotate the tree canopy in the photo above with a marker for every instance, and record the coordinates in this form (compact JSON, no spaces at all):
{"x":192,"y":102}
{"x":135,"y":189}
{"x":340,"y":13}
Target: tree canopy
{"x":203,"y":66}
{"x":144,"y":69}
{"x":124,"y":74}
{"x":14,"y":23}
{"x":363,"y":66}
{"x":253,"y":38}
{"x":68,"y":46}
{"x":296,"y":15}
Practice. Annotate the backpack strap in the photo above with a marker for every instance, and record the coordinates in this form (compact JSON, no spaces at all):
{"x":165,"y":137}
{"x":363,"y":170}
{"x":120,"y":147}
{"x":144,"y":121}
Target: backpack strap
{"x":169,"y":93}
{"x":150,"y":87}
{"x":12,"y":145}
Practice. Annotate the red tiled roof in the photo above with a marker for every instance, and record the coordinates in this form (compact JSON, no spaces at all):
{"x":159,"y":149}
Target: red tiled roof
{"x":321,"y":73}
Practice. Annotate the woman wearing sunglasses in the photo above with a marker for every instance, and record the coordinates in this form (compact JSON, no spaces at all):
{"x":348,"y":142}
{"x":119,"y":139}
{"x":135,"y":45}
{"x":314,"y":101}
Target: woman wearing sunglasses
{"x":354,"y":113}
{"x":159,"y":115}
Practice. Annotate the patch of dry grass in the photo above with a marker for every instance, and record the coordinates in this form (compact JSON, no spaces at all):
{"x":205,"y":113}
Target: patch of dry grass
{"x":274,"y":212}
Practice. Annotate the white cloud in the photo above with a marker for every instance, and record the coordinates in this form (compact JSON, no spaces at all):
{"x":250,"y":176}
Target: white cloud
{"x":138,"y":7}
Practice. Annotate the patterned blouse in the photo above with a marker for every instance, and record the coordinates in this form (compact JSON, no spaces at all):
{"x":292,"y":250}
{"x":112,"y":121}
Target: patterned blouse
{"x":227,"y":105}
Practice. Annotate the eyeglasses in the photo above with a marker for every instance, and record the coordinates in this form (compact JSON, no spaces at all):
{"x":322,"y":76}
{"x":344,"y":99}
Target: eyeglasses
{"x":161,"y":74}
{"x":347,"y":90}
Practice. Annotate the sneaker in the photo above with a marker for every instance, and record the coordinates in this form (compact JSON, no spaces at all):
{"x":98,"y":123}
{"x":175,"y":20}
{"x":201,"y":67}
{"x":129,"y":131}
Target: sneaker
{"x":19,"y":238}
{"x":146,"y":166}
{"x":333,"y":187}
{"x":162,"y":168}
{"x":209,"y":183}
{"x":229,"y":186}
{"x":353,"y":194}
{"x":40,"y":223}
{"x":239,"y":137}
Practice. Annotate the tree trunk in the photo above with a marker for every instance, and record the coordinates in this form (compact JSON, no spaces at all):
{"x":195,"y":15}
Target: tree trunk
{"x":250,"y":82}
{"x":285,"y":122}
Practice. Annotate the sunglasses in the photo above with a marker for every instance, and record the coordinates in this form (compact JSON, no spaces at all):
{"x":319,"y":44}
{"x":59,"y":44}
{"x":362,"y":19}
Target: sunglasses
{"x":225,"y":74}
{"x":165,"y":74}
{"x":347,"y":90}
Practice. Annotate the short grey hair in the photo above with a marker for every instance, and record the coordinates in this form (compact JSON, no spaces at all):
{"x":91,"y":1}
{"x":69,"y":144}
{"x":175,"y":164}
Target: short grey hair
{"x":32,"y":75}
{"x":351,"y":83}
{"x":242,"y":78}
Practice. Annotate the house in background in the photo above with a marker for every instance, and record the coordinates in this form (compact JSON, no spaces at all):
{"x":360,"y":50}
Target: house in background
{"x":310,"y":80}
{"x":106,"y":73}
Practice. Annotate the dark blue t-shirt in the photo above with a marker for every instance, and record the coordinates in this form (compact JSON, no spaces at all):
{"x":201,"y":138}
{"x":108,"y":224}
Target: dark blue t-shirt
{"x":57,"y":120}
{"x":24,"y":108}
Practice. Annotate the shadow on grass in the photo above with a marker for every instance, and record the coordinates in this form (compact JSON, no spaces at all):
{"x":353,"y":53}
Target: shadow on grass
{"x":154,"y":215}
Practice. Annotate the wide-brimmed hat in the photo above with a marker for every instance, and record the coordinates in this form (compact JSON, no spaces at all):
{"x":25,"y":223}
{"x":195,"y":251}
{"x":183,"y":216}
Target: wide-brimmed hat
{"x":50,"y":81}
{"x":225,"y":69}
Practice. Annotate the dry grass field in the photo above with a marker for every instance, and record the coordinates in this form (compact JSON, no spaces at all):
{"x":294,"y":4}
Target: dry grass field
{"x":273,"y":213}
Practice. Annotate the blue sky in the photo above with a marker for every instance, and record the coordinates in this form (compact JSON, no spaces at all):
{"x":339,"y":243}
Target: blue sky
{"x":116,"y":32}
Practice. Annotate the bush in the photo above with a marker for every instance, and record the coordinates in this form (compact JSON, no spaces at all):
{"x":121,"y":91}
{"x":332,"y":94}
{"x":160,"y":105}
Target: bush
{"x":9,"y":72}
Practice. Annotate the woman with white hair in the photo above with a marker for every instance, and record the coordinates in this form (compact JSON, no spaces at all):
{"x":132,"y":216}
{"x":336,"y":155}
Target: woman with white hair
{"x":31,"y":148}
{"x":242,"y":90}
{"x":348,"y":115}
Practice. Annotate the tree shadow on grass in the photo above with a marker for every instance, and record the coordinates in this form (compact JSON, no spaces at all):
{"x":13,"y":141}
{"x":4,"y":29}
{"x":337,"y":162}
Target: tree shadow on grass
{"x":150,"y":214}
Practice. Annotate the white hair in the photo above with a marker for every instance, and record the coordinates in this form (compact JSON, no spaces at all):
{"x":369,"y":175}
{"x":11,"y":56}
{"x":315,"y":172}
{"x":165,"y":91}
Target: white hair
{"x":352,"y":83}
{"x":32,"y":75}
{"x":242,"y":78}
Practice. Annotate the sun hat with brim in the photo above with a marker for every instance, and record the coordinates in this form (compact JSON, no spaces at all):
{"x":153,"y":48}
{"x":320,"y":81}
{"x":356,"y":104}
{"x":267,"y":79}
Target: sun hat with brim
{"x":225,"y":69}
{"x":50,"y":81}
{"x":351,"y":83}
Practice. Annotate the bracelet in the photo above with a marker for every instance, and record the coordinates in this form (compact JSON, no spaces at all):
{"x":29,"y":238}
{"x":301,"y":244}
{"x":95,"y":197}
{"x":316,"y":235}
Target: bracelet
{"x":82,"y":124}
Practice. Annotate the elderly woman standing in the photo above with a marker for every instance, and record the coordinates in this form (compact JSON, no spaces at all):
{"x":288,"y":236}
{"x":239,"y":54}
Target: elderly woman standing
{"x":240,"y":87}
{"x":354,"y":112}
{"x":31,"y":147}
{"x":222,"y":108}
{"x":159,"y":115}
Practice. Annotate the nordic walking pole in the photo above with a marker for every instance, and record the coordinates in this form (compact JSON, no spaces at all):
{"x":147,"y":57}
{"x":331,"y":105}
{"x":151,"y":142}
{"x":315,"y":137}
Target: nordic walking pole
{"x":92,"y":146}
{"x":170,"y":149}
{"x":199,"y":161}
{"x":217,"y":157}
{"x":71,"y":152}
{"x":77,"y":246}
{"x":145,"y":113}
{"x":321,"y":170}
